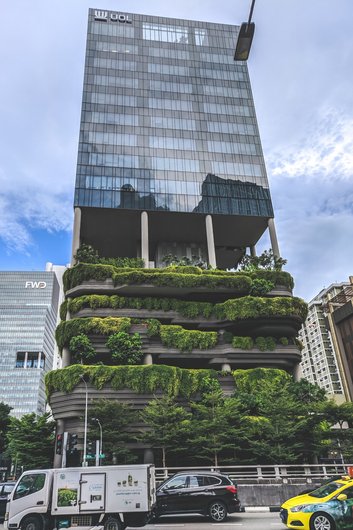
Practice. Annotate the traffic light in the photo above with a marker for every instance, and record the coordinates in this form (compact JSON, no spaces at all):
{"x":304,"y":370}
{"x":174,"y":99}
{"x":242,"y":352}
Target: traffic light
{"x":90,"y":450}
{"x":71,"y":443}
{"x":59,"y":444}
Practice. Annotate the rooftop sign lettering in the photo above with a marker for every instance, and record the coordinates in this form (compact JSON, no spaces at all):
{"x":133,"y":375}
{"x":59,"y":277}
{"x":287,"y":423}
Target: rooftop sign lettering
{"x":113,"y":16}
{"x":36,"y":285}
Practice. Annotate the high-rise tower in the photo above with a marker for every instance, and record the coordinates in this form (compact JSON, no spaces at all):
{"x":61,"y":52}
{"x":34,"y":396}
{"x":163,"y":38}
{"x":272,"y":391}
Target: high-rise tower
{"x":170,"y":158}
{"x":170,"y":163}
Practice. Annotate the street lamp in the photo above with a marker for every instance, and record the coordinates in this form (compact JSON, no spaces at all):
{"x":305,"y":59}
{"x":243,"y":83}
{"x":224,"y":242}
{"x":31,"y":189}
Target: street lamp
{"x":84,"y":461}
{"x":245,"y":38}
{"x":100,"y":440}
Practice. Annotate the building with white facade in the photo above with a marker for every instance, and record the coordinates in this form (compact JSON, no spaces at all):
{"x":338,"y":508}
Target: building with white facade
{"x":320,"y":359}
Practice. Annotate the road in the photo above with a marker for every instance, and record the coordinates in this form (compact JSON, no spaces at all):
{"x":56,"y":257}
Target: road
{"x":242,"y":521}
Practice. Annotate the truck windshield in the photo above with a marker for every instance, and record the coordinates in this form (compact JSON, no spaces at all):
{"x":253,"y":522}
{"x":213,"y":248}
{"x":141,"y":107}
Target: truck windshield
{"x":325,"y":490}
{"x":29,"y":484}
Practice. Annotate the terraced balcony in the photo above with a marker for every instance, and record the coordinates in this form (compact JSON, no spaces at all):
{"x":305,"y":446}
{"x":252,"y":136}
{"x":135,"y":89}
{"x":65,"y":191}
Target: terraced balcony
{"x":189,"y":322}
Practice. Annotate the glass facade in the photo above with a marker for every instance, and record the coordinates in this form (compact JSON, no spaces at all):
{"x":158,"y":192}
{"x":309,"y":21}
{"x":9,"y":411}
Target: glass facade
{"x":168,"y":120}
{"x":28,"y":313}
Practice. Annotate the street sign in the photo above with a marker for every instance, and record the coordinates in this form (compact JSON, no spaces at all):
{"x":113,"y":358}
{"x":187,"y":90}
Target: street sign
{"x":90,"y":457}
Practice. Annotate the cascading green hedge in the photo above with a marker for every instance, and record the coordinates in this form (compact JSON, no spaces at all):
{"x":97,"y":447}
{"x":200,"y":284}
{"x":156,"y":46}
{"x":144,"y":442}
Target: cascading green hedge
{"x":256,"y":307}
{"x":95,"y":326}
{"x":248,"y":306}
{"x":170,"y":380}
{"x":262,"y":343}
{"x":233,"y":309}
{"x":256,"y":380}
{"x":63,"y":309}
{"x":172,"y":276}
{"x":96,"y":301}
{"x":186,"y":339}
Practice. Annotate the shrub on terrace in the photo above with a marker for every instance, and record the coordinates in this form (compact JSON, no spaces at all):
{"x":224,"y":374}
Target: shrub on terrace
{"x":125,"y":348}
{"x":232,"y":309}
{"x":87,"y":254}
{"x":170,"y":380}
{"x":241,"y":281}
{"x":187,"y":340}
{"x":95,"y":326}
{"x":81,"y":348}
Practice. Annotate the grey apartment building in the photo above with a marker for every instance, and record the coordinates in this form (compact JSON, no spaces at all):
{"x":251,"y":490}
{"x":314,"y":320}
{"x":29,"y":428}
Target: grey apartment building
{"x":170,"y":158}
{"x":28,"y":317}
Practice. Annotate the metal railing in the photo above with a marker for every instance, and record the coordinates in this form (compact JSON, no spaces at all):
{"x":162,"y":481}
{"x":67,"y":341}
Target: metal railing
{"x":258,"y":473}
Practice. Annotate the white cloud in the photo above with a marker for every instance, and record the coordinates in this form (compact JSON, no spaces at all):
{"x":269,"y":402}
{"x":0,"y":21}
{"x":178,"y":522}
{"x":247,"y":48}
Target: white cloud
{"x":326,"y":150}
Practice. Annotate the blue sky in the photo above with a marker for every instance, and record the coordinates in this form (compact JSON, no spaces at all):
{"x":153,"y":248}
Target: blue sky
{"x":302,"y":79}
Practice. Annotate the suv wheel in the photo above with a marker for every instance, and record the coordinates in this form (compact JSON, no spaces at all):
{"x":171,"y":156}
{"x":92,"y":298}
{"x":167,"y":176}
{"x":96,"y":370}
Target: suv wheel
{"x":218,"y":512}
{"x":322,"y":521}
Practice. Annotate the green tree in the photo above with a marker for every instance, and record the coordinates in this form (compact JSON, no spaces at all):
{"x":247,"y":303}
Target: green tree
{"x":125,"y":348}
{"x":81,"y":348}
{"x":286,"y":426}
{"x":218,"y":427}
{"x":267,"y":260}
{"x":339,"y":435}
{"x":86,"y":254}
{"x":168,"y":425}
{"x":4,"y":424}
{"x":115,"y":418}
{"x":31,"y":441}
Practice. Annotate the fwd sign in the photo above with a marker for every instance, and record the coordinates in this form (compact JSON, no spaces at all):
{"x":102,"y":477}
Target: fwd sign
{"x":36,"y":285}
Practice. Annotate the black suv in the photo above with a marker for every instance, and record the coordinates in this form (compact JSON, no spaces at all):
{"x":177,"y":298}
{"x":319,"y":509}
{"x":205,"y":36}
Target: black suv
{"x":5,"y":490}
{"x":206,"y":493}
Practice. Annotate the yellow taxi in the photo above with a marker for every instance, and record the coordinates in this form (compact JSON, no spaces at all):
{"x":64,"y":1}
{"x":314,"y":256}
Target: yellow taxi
{"x":329,"y":507}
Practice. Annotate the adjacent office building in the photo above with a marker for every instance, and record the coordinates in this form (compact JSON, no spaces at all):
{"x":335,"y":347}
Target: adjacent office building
{"x":28,"y":317}
{"x":170,"y":158}
{"x":327,"y":337}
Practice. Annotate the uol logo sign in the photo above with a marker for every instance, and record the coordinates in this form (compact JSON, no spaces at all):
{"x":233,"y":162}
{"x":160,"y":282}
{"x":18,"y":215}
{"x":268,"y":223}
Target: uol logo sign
{"x":115,"y":17}
{"x":36,"y":285}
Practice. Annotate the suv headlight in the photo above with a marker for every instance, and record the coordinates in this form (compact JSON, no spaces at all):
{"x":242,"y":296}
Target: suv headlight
{"x":299,"y":508}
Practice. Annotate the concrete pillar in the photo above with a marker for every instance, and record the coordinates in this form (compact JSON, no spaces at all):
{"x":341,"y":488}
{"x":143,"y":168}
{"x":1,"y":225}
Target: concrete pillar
{"x":253,"y":251}
{"x":226,"y":367}
{"x":297,"y":373}
{"x":66,"y":357}
{"x":210,"y":242}
{"x":76,"y":234}
{"x":147,"y":359}
{"x":60,"y":427}
{"x":144,"y":239}
{"x":273,"y":237}
{"x":148,"y":456}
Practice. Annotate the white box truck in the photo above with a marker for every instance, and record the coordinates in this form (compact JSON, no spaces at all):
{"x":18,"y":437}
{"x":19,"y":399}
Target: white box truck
{"x":111,"y":496}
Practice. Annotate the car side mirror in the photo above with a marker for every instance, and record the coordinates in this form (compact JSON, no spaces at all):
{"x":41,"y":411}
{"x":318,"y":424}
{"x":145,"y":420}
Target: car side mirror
{"x":342,"y":497}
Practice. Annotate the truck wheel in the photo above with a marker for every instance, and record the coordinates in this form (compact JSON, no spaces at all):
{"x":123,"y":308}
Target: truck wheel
{"x":218,"y":512}
{"x":32,"y":523}
{"x":322,"y":521}
{"x":111,"y":523}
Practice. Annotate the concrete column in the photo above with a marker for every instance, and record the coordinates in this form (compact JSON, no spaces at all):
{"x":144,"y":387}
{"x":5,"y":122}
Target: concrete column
{"x":60,"y":427}
{"x":226,"y":367}
{"x":147,"y":359}
{"x":210,"y":242}
{"x":76,"y":234}
{"x":297,"y":373}
{"x":144,"y":239}
{"x":148,"y":456}
{"x":273,"y":237}
{"x":66,"y":357}
{"x":253,"y":251}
